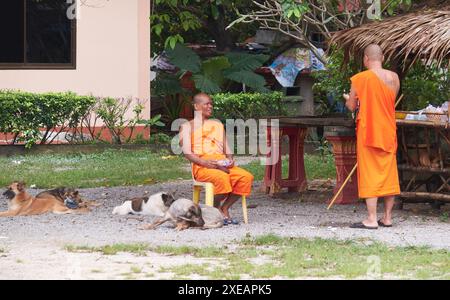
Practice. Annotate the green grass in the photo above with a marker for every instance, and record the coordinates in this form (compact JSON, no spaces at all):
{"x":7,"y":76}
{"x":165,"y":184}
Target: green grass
{"x":142,"y":248}
{"x":186,"y":250}
{"x":271,"y":256}
{"x":298,"y":257}
{"x":139,"y":249}
{"x":109,"y":168}
{"x":123,"y":168}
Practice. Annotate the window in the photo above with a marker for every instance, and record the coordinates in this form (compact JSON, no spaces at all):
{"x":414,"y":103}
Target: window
{"x":36,"y":34}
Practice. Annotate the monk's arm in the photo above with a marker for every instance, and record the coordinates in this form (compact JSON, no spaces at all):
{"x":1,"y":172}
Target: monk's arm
{"x":185,"y":135}
{"x":228,"y":152}
{"x":351,"y":100}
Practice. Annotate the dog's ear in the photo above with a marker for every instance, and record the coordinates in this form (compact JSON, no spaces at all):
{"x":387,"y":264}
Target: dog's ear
{"x":76,"y":193}
{"x":21,"y":186}
{"x":195,"y":210}
{"x":168,"y":199}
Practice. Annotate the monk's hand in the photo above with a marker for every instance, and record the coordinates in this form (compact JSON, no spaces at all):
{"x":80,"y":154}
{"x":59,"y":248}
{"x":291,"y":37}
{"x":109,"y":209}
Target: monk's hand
{"x":210,"y":164}
{"x":214,"y":164}
{"x":232,"y":162}
{"x":346,"y":96}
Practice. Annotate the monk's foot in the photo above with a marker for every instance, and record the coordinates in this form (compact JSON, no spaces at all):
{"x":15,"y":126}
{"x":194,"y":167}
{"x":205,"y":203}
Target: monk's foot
{"x":370,"y":223}
{"x":385,"y":222}
{"x":225,"y":212}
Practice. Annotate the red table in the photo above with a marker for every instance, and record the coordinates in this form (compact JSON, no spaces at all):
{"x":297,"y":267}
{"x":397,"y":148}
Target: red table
{"x":340,"y":133}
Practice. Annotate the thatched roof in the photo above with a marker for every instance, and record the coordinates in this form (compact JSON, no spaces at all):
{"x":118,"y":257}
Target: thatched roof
{"x":419,"y":35}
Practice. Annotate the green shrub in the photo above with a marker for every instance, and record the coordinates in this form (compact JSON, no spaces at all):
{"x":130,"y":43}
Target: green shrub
{"x":425,"y":85}
{"x":25,"y":114}
{"x":247,"y":105}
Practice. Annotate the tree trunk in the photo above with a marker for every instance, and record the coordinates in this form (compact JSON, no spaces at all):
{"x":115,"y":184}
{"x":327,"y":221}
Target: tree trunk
{"x":217,"y":28}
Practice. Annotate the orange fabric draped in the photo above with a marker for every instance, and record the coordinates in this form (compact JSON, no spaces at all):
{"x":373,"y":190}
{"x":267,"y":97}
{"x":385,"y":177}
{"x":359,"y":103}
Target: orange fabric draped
{"x":208,"y":143}
{"x":376,"y":133}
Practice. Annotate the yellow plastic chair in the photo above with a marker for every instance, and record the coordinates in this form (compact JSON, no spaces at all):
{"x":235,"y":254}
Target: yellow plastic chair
{"x":209,"y":195}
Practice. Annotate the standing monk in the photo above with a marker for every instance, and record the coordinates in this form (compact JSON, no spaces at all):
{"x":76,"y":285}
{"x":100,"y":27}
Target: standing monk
{"x":205,"y":145}
{"x":373,"y":92}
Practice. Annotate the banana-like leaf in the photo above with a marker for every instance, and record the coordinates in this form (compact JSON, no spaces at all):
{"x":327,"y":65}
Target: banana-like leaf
{"x":206,"y":84}
{"x":184,"y":58}
{"x":250,"y":79}
{"x":245,"y":61}
{"x":213,"y":68}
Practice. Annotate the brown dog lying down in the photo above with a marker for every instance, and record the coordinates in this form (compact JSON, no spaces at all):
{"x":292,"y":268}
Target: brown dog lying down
{"x":183,"y":213}
{"x":62,"y":194}
{"x":23,"y":204}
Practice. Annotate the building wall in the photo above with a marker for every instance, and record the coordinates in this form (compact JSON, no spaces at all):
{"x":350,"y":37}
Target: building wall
{"x":113,"y":55}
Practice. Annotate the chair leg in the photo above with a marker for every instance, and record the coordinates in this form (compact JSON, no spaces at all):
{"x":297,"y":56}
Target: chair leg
{"x":244,"y":209}
{"x":209,"y":194}
{"x":196,"y":194}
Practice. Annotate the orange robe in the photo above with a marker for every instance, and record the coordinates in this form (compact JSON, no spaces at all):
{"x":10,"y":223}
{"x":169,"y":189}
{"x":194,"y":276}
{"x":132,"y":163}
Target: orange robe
{"x":208,"y":143}
{"x":376,"y":133}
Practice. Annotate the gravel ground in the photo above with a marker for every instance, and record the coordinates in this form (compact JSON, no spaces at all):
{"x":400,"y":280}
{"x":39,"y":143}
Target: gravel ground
{"x":26,"y":243}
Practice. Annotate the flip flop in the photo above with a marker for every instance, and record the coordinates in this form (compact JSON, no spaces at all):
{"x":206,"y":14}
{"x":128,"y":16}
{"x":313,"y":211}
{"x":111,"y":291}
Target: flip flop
{"x":360,"y":225}
{"x":380,"y":223}
{"x":230,"y":221}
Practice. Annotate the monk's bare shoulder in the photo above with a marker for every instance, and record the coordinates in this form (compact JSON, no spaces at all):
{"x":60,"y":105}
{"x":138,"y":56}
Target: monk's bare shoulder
{"x":394,"y":80}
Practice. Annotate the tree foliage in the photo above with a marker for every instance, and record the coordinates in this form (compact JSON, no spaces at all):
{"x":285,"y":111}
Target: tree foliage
{"x":300,"y":19}
{"x":181,"y":21}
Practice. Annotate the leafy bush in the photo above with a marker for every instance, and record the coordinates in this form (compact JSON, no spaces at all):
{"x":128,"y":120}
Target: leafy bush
{"x":425,"y":85}
{"x":333,"y":82}
{"x":25,"y":114}
{"x":247,"y":105}
{"x":421,"y":86}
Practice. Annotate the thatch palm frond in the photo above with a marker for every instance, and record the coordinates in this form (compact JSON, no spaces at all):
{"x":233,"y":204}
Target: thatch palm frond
{"x":406,"y":38}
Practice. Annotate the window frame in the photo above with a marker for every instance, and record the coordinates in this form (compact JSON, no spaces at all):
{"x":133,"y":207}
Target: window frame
{"x":45,"y":66}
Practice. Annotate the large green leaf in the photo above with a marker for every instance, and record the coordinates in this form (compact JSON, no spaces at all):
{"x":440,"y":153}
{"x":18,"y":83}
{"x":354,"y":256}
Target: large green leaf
{"x":184,"y":58}
{"x":250,"y":79}
{"x":166,"y":84}
{"x":213,"y":68}
{"x":206,"y":84}
{"x":245,"y":61}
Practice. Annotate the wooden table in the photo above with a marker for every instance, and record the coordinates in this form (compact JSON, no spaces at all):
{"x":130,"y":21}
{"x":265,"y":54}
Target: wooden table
{"x":421,"y":182}
{"x":342,"y":138}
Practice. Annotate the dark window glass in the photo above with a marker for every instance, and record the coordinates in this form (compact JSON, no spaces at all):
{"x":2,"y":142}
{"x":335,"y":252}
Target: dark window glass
{"x":11,"y":31}
{"x":49,"y":35}
{"x":36,"y":33}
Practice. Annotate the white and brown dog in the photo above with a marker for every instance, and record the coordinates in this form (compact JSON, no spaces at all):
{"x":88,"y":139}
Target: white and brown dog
{"x":155,"y":205}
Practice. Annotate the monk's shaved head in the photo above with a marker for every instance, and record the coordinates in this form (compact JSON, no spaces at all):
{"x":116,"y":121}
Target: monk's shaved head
{"x":374,"y":53}
{"x":199,"y":97}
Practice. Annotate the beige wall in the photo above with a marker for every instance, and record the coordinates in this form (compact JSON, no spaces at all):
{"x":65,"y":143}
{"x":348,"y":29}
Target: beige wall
{"x":113,"y":55}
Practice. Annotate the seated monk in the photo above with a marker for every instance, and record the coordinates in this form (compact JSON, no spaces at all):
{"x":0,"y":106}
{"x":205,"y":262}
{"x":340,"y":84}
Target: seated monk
{"x":207,"y":151}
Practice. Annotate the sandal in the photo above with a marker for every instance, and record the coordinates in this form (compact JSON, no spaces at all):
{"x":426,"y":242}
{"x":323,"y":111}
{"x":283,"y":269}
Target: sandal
{"x":380,"y":223}
{"x":360,"y":225}
{"x":230,"y":221}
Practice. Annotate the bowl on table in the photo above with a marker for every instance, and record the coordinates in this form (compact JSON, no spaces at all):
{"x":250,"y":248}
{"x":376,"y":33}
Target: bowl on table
{"x":400,"y":115}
